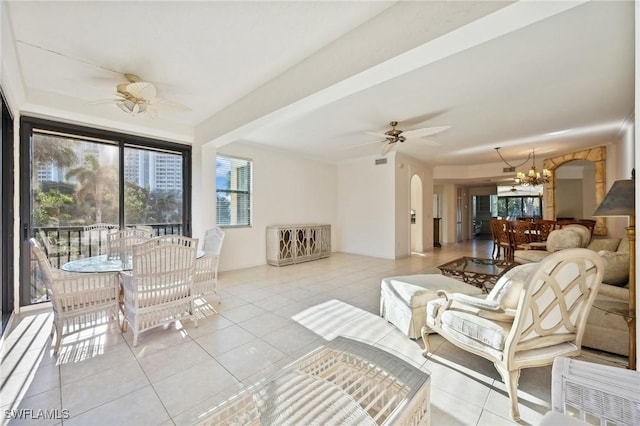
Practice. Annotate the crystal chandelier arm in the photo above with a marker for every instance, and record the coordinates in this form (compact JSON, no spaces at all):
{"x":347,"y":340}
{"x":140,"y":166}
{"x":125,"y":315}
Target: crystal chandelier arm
{"x":516,"y":166}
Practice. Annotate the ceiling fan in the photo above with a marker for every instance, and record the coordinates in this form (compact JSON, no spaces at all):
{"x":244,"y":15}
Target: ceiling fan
{"x":393,"y":136}
{"x":137,"y":97}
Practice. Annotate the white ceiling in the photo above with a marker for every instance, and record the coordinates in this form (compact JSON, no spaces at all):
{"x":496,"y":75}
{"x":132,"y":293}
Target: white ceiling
{"x":314,"y":76}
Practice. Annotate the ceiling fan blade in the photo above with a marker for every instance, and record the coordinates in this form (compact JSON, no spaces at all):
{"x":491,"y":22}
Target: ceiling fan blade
{"x":167,"y":104}
{"x":102,"y":102}
{"x":388,"y":146}
{"x":424,"y":141}
{"x":427,"y":131}
{"x":142,"y":90}
{"x":377,"y":134}
{"x":360,"y":145}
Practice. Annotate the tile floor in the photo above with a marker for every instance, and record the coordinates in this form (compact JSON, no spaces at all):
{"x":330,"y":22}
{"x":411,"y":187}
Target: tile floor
{"x":268,"y":317}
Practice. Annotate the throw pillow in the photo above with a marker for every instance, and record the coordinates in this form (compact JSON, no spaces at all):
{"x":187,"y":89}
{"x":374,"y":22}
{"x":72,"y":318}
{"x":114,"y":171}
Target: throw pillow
{"x":624,"y":246}
{"x":609,"y":244}
{"x":583,"y":231}
{"x":561,"y":239}
{"x":506,"y":292}
{"x":616,"y":267}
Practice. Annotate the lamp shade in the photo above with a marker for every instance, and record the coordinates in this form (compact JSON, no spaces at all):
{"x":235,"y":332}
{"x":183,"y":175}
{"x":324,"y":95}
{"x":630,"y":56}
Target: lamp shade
{"x":620,"y":200}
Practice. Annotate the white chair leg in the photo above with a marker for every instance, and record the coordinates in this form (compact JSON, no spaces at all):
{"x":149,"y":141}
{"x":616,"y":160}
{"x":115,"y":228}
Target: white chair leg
{"x":425,"y":339}
{"x":58,"y":340}
{"x":511,"y":379}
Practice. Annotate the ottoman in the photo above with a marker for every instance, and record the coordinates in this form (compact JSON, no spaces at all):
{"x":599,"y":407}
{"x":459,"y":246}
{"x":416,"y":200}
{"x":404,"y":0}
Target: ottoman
{"x":403,"y":299}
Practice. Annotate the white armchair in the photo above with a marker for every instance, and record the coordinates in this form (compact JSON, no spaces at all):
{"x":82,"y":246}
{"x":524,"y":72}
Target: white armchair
{"x":534,"y":313}
{"x":159,"y":288}
{"x":584,"y":392}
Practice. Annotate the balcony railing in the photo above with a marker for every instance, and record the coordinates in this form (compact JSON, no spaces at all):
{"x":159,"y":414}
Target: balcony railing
{"x":67,"y":243}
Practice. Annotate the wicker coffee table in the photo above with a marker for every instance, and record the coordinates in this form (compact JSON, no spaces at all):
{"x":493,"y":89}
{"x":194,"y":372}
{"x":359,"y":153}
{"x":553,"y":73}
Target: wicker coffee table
{"x":477,"y":271}
{"x":345,"y":382}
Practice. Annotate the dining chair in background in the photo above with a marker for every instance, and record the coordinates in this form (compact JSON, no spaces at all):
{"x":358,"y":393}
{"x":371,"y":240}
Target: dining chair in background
{"x":158,"y":289}
{"x":79,"y":300}
{"x":503,"y":238}
{"x":120,"y":243}
{"x":521,"y":232}
{"x":206,"y":275}
{"x":94,"y":237}
{"x":542,"y":229}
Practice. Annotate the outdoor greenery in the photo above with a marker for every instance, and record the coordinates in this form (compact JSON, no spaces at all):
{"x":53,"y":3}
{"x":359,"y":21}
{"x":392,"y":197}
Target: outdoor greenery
{"x":90,"y":191}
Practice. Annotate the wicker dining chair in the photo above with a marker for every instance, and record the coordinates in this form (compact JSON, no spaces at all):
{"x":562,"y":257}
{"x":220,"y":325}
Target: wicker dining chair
{"x":120,"y":243}
{"x":206,"y":276}
{"x":585,"y":393}
{"x":79,"y":300}
{"x":94,"y":237}
{"x":158,"y":289}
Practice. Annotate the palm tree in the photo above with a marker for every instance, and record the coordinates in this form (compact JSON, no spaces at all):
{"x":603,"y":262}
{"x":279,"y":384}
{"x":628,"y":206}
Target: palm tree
{"x":166,"y":205}
{"x":49,"y":149}
{"x":97,"y":183}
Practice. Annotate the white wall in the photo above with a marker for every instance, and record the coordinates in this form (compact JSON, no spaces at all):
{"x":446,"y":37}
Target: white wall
{"x":287,"y":189}
{"x":366,"y":207}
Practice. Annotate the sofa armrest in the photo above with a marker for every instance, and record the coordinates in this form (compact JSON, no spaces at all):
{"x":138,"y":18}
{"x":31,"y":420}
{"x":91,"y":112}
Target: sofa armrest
{"x":620,"y":293}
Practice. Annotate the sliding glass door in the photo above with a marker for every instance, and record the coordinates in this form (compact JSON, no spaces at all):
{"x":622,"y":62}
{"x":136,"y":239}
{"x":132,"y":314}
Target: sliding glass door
{"x":78,"y":184}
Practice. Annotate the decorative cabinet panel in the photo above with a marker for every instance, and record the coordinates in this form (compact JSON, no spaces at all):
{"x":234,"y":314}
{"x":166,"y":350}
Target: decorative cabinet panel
{"x":287,"y":244}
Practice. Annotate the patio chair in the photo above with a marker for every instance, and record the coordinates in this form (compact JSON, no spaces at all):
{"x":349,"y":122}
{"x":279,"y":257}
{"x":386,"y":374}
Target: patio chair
{"x":94,"y":237}
{"x":584,"y":392}
{"x":78,"y":299}
{"x":206,"y":275}
{"x":158,"y":289}
{"x":120,"y":243}
{"x":534,"y":313}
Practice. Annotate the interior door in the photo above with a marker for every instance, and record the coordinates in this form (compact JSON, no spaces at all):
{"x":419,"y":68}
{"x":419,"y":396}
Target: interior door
{"x":459,"y":213}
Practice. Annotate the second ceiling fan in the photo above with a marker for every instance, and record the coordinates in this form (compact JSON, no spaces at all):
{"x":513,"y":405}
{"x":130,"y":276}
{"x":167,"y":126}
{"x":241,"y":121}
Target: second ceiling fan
{"x":393,"y":136}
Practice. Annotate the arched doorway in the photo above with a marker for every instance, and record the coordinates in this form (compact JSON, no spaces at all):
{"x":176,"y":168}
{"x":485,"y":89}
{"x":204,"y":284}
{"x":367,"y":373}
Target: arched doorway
{"x":595,"y":155}
{"x":416,"y":217}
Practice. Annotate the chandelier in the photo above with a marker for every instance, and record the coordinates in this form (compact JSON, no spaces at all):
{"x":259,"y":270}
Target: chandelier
{"x":534,"y":177}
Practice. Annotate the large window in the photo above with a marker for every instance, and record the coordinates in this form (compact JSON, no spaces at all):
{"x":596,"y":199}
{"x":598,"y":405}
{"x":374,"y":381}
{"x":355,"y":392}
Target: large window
{"x":77,"y":181}
{"x":515,"y":207}
{"x":233,"y":191}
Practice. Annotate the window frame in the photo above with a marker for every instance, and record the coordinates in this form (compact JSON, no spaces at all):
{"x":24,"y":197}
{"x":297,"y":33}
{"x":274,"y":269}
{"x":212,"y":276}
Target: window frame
{"x":248,"y":192}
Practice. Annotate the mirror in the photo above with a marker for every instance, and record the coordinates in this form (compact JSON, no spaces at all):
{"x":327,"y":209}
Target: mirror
{"x":577,"y":186}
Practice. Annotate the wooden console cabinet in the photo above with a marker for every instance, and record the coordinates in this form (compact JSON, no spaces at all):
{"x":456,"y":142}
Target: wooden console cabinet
{"x":288,"y":244}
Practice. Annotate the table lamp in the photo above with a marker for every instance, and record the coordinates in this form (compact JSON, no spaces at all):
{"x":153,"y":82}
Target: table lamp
{"x":621,"y":201}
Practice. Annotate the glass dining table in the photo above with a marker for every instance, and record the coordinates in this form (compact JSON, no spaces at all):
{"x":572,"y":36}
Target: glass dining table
{"x":97,"y":264}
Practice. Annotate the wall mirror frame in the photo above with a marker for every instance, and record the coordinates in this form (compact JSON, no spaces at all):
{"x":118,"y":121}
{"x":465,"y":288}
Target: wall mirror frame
{"x":598,"y":157}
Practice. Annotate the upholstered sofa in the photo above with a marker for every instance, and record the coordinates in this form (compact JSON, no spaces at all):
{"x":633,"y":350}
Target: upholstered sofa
{"x":604,"y":331}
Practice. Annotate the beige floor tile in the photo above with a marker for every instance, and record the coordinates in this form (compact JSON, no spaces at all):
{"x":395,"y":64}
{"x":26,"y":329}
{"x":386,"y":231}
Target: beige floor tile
{"x":190,"y":387}
{"x":207,"y":325}
{"x":243,"y":313}
{"x":41,"y":409}
{"x":172,"y":360}
{"x":140,"y":407}
{"x":264,"y":323}
{"x":489,"y":419}
{"x":72,"y":369}
{"x":250,"y":358}
{"x":225,"y":340}
{"x":291,"y":338}
{"x":95,"y":390}
{"x":447,"y":409}
{"x":158,"y":338}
